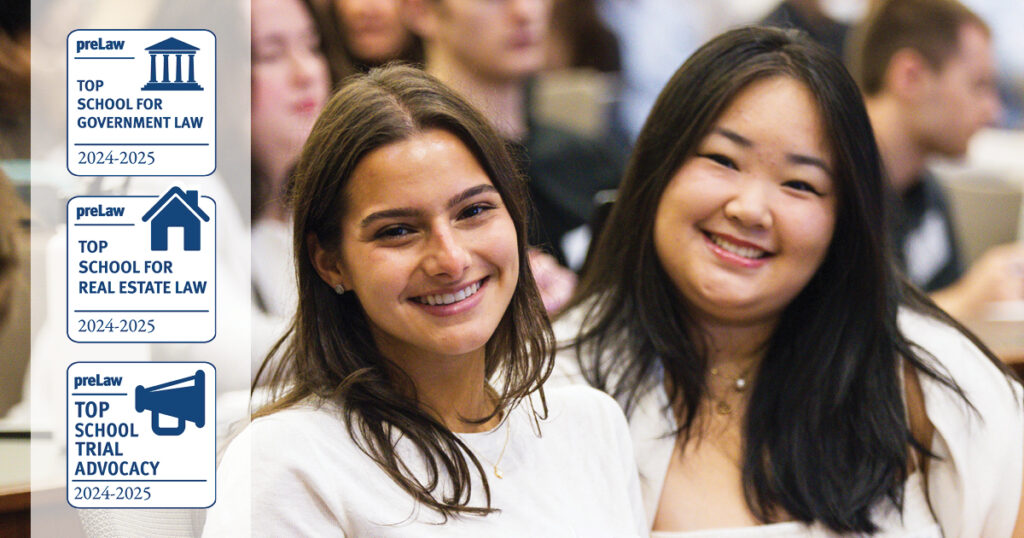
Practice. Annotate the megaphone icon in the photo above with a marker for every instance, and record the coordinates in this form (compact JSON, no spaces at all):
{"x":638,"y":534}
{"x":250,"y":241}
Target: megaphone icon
{"x":184,"y":403}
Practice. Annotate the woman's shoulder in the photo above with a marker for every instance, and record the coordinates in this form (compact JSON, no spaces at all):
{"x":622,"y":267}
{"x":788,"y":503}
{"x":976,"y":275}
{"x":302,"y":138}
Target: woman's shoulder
{"x":291,"y":472}
{"x":572,"y":360}
{"x":297,"y":432}
{"x":567,"y":370}
{"x":953,"y":354}
{"x":298,"y":417}
{"x":974,"y":482}
{"x":580,"y":399}
{"x":567,"y":325}
{"x":583,"y":410}
{"x":931,"y":333}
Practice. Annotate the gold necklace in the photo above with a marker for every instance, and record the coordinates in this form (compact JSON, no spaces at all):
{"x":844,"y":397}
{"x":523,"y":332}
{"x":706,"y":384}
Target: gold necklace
{"x":739,"y":385}
{"x":496,"y":464}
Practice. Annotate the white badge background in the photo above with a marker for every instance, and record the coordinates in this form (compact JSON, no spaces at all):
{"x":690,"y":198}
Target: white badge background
{"x":176,"y":317}
{"x":124,"y":78}
{"x":186,"y":474}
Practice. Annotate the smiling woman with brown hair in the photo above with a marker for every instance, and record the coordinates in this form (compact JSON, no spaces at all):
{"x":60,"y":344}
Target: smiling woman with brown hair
{"x":408,"y":398}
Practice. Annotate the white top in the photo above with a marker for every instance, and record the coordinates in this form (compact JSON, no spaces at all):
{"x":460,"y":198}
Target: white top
{"x":309,"y":479}
{"x":974,"y":486}
{"x":273,"y":273}
{"x":916,"y":521}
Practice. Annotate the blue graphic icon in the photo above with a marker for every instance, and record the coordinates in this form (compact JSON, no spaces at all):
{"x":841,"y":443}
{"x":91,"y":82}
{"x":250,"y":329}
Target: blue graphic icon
{"x":166,"y":48}
{"x":176,"y":209}
{"x":184,"y":403}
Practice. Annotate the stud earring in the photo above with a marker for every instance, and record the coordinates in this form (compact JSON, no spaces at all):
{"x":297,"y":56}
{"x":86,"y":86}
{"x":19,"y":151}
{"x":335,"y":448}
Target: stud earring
{"x":339,"y":289}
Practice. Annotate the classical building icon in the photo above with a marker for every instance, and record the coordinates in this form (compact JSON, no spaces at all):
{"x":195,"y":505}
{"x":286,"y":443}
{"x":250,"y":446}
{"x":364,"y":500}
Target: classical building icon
{"x":165,"y":49}
{"x":176,"y":209}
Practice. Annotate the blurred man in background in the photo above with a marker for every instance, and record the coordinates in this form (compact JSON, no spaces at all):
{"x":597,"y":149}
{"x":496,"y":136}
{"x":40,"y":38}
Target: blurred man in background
{"x":928,"y":75}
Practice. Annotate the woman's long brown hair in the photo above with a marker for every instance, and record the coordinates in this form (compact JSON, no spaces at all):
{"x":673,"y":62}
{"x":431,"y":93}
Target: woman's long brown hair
{"x":328,"y":353}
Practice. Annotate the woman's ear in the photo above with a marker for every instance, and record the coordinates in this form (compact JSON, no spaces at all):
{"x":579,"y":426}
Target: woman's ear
{"x":327,"y":263}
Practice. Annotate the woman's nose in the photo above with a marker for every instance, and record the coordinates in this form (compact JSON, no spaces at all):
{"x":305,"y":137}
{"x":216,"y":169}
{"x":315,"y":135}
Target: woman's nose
{"x":446,"y":255}
{"x":749,"y":205}
{"x":305,"y":68}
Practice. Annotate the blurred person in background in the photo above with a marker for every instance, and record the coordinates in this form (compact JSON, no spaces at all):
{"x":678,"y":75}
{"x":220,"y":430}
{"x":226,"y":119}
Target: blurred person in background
{"x":14,"y":294}
{"x":15,"y":75}
{"x":15,"y":99}
{"x":374,"y":33}
{"x":1006,"y":18}
{"x":928,"y":75}
{"x":580,"y":39}
{"x":291,"y":80}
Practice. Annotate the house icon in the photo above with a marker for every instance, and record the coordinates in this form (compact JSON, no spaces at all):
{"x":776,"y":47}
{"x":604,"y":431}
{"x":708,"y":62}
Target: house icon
{"x":179,"y":209}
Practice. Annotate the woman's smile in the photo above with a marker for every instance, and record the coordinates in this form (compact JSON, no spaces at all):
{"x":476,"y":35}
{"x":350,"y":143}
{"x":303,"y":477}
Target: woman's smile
{"x":452,"y":301}
{"x":736,"y":251}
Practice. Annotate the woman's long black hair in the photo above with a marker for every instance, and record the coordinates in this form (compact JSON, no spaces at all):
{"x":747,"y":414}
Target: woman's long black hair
{"x":825,"y":435}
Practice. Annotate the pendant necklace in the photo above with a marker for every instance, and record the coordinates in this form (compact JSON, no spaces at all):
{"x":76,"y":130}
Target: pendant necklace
{"x":739,"y":385}
{"x":496,"y":465}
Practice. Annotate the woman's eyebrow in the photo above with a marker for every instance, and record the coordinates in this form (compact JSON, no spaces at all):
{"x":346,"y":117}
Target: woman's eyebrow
{"x":797,"y":158}
{"x":469,"y":193}
{"x":734,"y":136}
{"x":393,"y":213}
{"x":412,"y":212}
{"x":794,"y":158}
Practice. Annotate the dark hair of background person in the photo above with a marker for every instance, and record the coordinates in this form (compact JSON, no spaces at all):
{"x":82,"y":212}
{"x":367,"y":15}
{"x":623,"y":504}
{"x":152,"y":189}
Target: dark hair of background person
{"x":14,"y":294}
{"x":825,"y":437}
{"x":333,"y":25}
{"x":15,"y":143}
{"x":329,"y":353}
{"x":588,"y":41}
{"x":339,"y":66}
{"x":895,"y":25}
{"x":15,"y":80}
{"x":15,"y":18}
{"x":12,"y":237}
{"x":808,"y":15}
{"x":332,"y":41}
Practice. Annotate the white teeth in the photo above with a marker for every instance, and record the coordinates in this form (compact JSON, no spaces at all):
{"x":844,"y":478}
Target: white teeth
{"x":449,"y":298}
{"x":746,"y":252}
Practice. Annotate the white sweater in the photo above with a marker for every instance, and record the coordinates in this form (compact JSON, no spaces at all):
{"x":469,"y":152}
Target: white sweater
{"x":308,"y":478}
{"x":974,"y":487}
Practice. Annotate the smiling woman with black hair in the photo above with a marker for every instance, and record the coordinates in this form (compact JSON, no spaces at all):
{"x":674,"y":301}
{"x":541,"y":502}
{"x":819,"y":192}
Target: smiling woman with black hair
{"x":408,"y":399}
{"x":780,"y":378}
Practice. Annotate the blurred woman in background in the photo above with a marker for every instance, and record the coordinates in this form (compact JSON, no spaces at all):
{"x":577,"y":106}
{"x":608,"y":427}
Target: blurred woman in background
{"x":374,"y":33}
{"x":291,"y":79}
